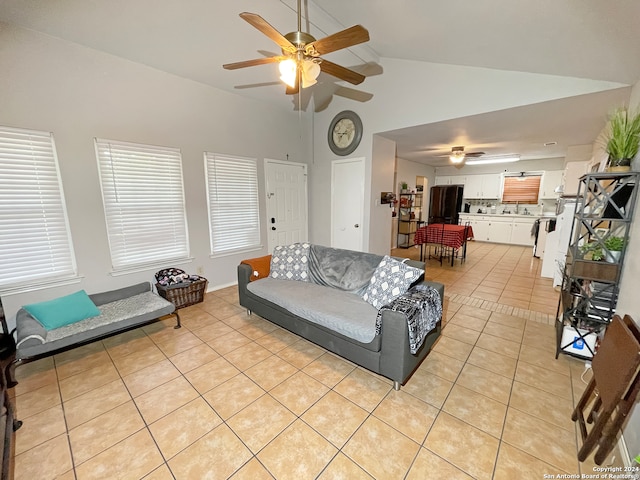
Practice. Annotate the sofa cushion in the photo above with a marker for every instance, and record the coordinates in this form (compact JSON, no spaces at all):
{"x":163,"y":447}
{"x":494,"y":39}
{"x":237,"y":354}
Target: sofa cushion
{"x":390,"y":280}
{"x":290,"y":262}
{"x":342,"y":312}
{"x":344,"y":269}
{"x":63,"y":311}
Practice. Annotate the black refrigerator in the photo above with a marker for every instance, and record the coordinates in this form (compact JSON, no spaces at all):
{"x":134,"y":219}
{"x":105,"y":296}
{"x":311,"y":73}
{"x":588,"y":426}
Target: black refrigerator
{"x":445,"y":203}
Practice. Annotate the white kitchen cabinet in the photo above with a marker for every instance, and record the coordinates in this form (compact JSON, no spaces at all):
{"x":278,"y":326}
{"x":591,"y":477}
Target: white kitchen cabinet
{"x":450,"y":180}
{"x":507,"y":229}
{"x":550,"y":180}
{"x":499,"y":230}
{"x":479,"y":224}
{"x":443,"y":180}
{"x":480,"y":229}
{"x":482,"y":186}
{"x":473,"y":186}
{"x":521,"y":232}
{"x":492,"y":185}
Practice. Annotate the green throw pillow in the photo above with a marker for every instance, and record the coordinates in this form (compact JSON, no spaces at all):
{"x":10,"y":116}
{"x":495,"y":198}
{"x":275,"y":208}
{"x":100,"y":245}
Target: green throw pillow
{"x":63,"y":311}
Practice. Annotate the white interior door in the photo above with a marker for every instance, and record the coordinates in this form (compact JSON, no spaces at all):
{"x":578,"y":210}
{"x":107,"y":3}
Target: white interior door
{"x":286,"y":189}
{"x":347,"y":203}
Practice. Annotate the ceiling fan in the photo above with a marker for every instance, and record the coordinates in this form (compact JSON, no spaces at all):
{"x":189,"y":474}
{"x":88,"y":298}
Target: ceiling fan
{"x":301,"y":62}
{"x":458,"y":156}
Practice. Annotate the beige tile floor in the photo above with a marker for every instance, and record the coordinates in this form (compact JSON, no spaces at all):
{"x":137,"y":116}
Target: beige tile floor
{"x":232,"y":396}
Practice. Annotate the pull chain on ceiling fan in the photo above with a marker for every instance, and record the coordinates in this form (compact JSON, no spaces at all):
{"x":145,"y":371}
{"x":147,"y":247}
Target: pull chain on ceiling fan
{"x":301,"y":62}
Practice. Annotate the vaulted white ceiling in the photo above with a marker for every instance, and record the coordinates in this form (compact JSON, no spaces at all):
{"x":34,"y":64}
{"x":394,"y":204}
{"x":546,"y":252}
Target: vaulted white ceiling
{"x":589,"y":39}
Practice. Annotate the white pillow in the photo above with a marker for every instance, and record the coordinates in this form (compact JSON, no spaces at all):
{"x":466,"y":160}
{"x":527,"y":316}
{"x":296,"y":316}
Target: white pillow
{"x":390,"y":280}
{"x":290,"y":262}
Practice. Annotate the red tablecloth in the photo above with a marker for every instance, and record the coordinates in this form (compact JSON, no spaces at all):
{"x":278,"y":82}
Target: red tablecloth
{"x":443,"y":233}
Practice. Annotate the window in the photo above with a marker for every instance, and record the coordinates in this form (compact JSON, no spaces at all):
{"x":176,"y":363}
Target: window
{"x":234,"y":216}
{"x":143,"y":197}
{"x":521,"y":189}
{"x":35,"y":243}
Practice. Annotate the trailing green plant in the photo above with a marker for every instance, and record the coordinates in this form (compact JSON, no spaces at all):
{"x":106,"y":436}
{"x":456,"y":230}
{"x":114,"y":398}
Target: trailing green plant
{"x":614,"y":244}
{"x":592,"y":251}
{"x":623,"y":137}
{"x":596,"y":254}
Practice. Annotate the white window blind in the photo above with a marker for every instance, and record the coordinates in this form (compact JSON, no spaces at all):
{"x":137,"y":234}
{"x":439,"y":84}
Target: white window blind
{"x":35,"y":243}
{"x":234,"y":216}
{"x":143,"y":197}
{"x":521,"y":189}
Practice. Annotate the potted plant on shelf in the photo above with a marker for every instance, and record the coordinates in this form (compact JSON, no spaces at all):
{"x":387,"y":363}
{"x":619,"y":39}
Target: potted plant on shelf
{"x":623,"y":139}
{"x":592,"y":251}
{"x":404,"y":187}
{"x":614,"y":246}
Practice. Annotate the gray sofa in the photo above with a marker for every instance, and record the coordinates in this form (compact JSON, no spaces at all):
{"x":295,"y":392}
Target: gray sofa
{"x":121,"y":310}
{"x":337,"y":279}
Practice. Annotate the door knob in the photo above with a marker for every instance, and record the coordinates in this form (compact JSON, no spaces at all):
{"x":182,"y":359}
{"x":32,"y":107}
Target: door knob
{"x":273,"y":228}
{"x":356,"y":225}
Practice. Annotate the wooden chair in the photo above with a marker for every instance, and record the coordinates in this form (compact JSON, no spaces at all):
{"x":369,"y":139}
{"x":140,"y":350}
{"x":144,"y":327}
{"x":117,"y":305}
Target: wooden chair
{"x":612,"y":390}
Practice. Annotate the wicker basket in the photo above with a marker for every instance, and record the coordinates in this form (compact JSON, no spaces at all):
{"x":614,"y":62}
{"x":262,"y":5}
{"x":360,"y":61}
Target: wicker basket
{"x":183,"y":296}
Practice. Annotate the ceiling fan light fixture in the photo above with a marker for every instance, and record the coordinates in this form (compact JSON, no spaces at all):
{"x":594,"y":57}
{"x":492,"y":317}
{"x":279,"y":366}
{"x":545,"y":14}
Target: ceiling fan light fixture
{"x":456,"y":156}
{"x":310,"y":72}
{"x":288,"y":71}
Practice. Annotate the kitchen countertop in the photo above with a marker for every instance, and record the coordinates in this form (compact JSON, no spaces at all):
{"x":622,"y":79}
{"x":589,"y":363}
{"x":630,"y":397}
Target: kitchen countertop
{"x":510,"y":215}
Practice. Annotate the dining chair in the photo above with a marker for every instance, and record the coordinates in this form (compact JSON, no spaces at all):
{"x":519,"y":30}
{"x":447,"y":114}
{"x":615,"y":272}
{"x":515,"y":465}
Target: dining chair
{"x":612,"y":390}
{"x":438,"y":242}
{"x":467,"y":227}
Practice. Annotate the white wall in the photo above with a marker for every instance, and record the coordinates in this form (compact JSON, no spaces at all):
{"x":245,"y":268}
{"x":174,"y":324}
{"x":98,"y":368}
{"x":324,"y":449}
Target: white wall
{"x":409,"y":93}
{"x":408,"y":171}
{"x":382,"y":167}
{"x":78,"y":94}
{"x":629,"y":300}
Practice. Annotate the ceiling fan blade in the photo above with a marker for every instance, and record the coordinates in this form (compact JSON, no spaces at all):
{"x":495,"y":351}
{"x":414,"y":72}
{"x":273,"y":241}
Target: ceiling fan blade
{"x":343,"y":39}
{"x":256,"y":85}
{"x":265,"y":27}
{"x":341,"y":72}
{"x":474,"y":154}
{"x":252,"y":63}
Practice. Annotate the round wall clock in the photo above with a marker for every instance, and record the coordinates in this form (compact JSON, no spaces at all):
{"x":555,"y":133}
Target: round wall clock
{"x":345,"y":133}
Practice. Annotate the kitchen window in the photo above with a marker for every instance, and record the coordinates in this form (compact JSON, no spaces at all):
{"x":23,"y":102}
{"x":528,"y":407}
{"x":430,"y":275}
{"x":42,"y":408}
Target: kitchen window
{"x":521,"y":189}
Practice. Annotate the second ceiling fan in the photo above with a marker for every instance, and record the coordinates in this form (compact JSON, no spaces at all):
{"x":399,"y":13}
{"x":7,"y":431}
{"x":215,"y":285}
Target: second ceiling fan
{"x":458,"y":156}
{"x":301,"y":62}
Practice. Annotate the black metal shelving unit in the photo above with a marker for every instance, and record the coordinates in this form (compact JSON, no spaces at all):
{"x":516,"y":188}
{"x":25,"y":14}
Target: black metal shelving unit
{"x":409,"y":218}
{"x":591,"y":277}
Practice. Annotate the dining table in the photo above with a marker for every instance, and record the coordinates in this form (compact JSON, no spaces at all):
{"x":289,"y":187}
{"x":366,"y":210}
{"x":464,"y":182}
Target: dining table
{"x":445,"y":235}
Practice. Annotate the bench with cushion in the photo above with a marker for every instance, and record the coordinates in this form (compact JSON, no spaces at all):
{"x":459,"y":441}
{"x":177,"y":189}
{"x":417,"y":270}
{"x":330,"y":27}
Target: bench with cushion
{"x":119,"y":310}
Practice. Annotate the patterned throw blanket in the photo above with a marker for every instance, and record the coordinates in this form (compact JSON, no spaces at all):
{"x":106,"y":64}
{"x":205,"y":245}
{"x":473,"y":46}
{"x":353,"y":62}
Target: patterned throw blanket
{"x":422,"y":306}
